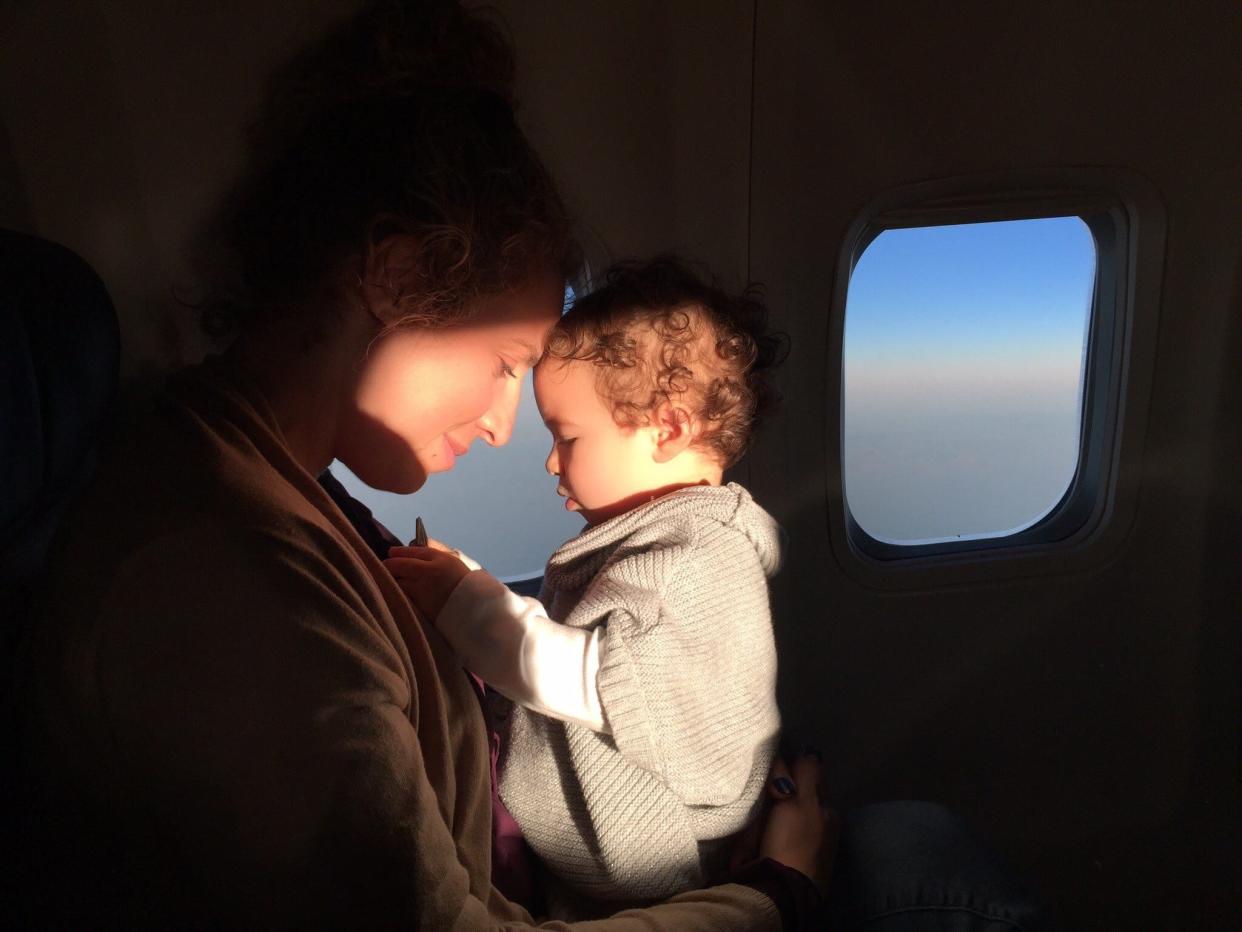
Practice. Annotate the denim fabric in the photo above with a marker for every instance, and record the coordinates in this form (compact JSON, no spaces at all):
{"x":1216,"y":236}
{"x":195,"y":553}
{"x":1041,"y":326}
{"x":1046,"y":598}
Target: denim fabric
{"x":914,"y":867}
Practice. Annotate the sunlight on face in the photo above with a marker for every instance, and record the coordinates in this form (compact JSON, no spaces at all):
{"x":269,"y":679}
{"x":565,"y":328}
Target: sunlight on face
{"x":424,"y":395}
{"x":602,"y":466}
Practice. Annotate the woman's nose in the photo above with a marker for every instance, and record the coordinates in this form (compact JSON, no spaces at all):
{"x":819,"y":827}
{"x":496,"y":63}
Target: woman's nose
{"x":497,"y":423}
{"x":553,"y":464}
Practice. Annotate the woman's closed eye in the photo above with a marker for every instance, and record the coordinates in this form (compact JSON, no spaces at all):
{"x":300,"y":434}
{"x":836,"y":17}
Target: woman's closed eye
{"x":506,"y":370}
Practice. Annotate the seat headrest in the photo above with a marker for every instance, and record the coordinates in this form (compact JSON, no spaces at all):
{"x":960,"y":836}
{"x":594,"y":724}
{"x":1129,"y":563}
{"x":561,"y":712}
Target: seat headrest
{"x":59,"y":360}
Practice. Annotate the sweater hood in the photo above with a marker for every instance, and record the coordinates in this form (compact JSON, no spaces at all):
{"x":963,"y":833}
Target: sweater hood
{"x":579,"y":559}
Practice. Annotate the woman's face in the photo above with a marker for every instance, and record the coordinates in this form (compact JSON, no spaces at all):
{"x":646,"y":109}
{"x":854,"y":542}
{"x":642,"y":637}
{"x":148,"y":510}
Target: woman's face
{"x":424,"y":395}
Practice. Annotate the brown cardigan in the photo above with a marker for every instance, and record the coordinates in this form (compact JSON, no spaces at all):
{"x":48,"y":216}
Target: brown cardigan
{"x":236,"y":712}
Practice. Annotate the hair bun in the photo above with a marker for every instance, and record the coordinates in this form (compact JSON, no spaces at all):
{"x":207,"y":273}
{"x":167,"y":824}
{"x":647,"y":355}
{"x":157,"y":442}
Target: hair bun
{"x":407,"y":45}
{"x":388,"y":49}
{"x":399,"y":121}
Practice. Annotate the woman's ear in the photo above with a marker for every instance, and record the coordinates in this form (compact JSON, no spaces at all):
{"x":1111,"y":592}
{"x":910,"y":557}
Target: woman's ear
{"x":390,"y":270}
{"x":674,"y":431}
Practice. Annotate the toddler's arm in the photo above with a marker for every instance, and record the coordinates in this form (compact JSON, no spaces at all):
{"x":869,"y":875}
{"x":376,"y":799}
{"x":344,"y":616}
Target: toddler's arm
{"x":510,"y":642}
{"x":506,"y":639}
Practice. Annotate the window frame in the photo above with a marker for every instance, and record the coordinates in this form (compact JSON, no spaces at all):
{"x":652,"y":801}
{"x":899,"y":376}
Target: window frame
{"x":1126,"y":219}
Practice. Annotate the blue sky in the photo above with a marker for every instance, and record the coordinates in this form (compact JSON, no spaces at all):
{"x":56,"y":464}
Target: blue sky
{"x":963,"y":362}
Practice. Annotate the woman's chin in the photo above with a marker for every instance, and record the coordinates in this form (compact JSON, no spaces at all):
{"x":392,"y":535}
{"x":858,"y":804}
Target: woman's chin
{"x":437,"y":467}
{"x":410,"y":477}
{"x":404,"y":485}
{"x":437,"y":460}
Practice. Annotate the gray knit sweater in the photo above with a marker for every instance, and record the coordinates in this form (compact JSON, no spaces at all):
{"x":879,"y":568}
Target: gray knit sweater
{"x":687,"y":685}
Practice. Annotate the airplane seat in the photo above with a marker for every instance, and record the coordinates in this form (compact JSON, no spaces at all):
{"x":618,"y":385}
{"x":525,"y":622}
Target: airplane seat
{"x":59,"y":361}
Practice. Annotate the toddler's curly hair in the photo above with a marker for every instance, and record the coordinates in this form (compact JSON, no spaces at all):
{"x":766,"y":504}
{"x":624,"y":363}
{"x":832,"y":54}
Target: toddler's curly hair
{"x":657,"y":332}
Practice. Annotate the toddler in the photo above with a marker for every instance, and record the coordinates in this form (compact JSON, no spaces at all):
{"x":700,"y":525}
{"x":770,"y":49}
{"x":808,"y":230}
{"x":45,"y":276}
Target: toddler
{"x":643,"y":717}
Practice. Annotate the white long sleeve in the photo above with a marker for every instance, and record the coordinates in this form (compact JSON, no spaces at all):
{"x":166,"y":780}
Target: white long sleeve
{"x":510,"y":642}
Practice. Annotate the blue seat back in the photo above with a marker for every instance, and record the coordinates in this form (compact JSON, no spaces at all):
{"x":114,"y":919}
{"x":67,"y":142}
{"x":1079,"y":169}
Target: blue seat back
{"x":59,"y":360}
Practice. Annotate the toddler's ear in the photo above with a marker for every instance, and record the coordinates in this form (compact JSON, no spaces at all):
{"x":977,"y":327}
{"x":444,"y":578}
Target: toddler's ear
{"x":674,"y":430}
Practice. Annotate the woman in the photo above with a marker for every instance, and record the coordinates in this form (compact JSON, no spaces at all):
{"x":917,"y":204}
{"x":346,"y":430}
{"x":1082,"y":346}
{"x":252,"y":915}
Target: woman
{"x":238,"y":718}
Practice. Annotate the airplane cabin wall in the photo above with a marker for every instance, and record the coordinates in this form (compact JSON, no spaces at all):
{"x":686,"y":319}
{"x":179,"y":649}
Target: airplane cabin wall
{"x":125,"y":123}
{"x":642,"y":111}
{"x":1088,"y":720}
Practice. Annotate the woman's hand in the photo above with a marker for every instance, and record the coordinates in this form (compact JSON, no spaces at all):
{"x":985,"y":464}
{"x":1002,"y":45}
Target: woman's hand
{"x":799,"y":833}
{"x":793,"y":828}
{"x":428,"y":575}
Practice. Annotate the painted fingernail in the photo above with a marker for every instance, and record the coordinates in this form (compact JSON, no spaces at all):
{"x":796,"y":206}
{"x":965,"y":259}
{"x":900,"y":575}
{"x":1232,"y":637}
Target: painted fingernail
{"x":784,"y":786}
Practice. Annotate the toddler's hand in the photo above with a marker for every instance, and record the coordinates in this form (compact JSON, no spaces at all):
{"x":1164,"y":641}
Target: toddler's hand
{"x":470,"y":562}
{"x":427,"y":575}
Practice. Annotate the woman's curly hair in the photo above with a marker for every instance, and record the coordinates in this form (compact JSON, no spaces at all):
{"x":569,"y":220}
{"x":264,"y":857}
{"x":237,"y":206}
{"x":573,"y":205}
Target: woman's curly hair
{"x":401,"y":120}
{"x":657,"y":333}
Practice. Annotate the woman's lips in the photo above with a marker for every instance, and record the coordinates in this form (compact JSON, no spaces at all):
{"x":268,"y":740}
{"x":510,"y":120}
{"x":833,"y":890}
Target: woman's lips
{"x":449,"y":455}
{"x":453,"y":449}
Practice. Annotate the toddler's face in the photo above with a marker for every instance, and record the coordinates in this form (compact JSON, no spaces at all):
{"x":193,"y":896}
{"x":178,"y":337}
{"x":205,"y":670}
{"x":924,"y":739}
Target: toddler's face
{"x":604,"y":469}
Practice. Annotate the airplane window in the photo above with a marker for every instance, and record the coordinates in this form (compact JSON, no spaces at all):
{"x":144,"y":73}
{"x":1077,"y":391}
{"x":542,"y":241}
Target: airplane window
{"x":498,"y":505}
{"x":964,"y":358}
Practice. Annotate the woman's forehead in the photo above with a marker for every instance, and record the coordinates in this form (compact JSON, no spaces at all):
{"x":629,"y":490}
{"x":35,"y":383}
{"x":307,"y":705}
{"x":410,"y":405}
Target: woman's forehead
{"x":519,"y":331}
{"x":524,"y":350}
